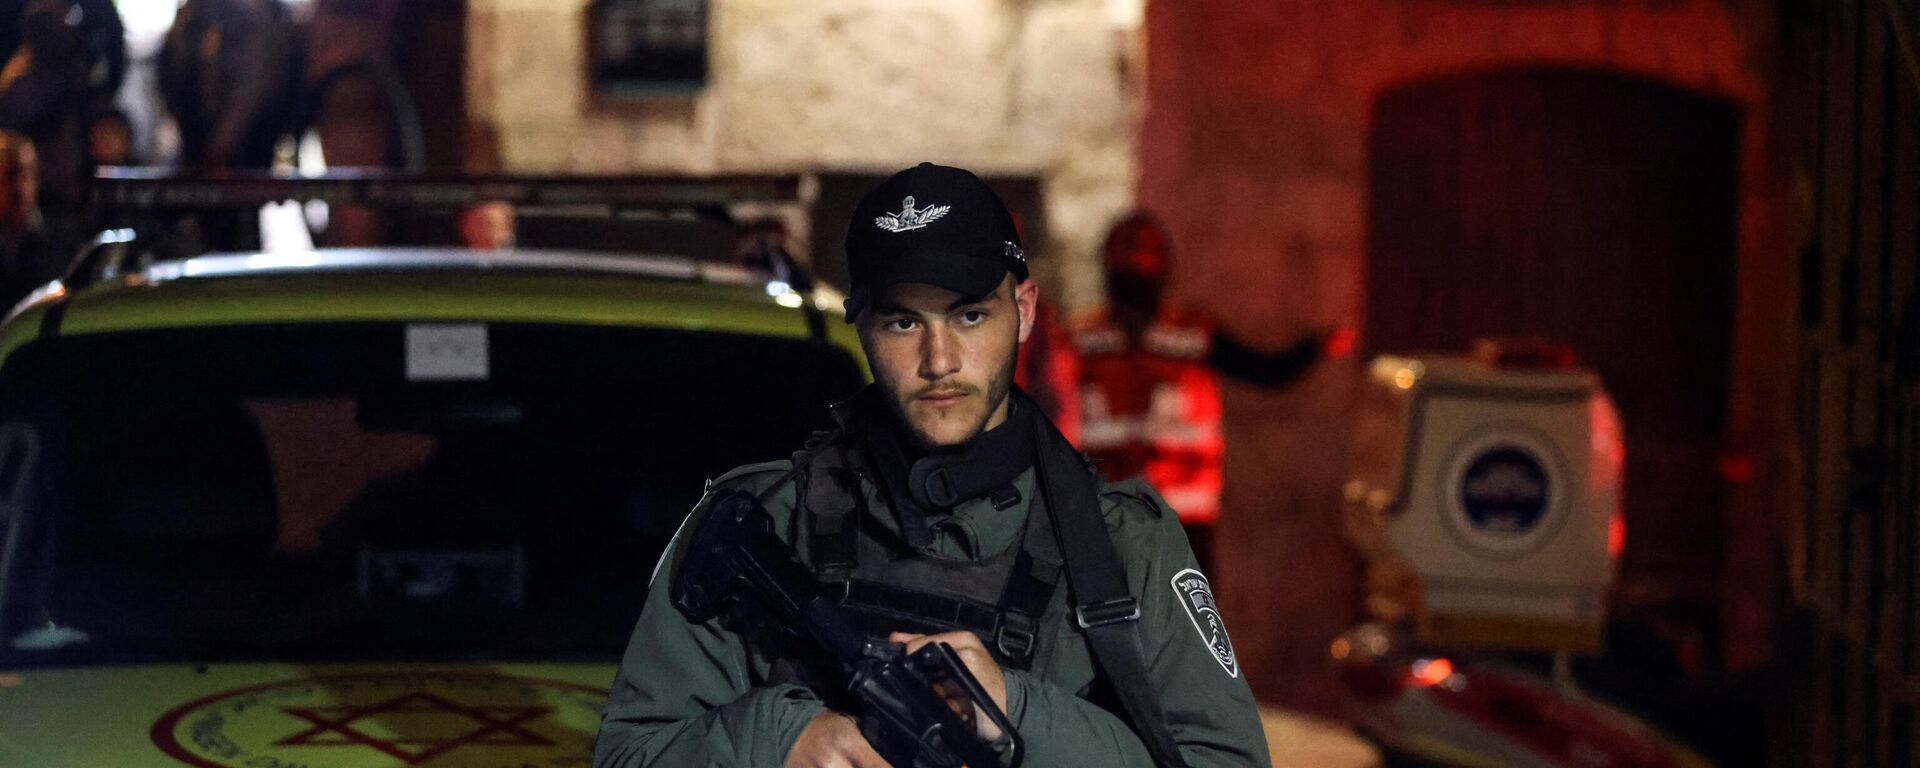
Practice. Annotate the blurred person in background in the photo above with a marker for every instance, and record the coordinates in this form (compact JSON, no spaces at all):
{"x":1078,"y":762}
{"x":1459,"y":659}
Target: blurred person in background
{"x":110,"y":138}
{"x":101,"y":36}
{"x":66,"y":58}
{"x":43,"y":94}
{"x":227,"y":75}
{"x":21,"y":247}
{"x":1149,"y":404}
{"x":356,"y":103}
{"x":488,"y":226}
{"x":1149,"y":377}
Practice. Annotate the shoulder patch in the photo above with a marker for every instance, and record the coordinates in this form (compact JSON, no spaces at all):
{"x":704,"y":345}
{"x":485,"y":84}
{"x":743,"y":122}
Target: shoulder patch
{"x":1196,"y":597}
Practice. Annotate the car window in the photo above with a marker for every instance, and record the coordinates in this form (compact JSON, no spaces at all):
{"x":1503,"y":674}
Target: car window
{"x":293,"y":493}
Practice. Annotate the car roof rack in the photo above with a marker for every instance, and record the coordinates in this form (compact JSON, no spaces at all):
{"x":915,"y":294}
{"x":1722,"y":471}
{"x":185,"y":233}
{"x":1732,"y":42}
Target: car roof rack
{"x":128,"y":200}
{"x":119,"y":191}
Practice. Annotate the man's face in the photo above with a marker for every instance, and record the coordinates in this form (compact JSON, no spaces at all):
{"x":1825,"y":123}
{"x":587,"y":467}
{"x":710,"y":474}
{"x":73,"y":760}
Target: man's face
{"x":945,"y":360}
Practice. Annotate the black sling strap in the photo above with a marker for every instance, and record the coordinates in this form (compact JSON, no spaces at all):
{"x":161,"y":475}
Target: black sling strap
{"x":834,"y":538}
{"x":1030,"y":587}
{"x":1106,"y":612}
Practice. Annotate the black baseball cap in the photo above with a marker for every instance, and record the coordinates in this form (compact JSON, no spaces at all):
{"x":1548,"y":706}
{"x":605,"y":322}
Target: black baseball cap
{"x":931,"y":224}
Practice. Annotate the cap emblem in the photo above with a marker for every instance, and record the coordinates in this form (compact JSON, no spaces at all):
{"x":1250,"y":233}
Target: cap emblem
{"x":909,"y":217}
{"x":1015,"y":252}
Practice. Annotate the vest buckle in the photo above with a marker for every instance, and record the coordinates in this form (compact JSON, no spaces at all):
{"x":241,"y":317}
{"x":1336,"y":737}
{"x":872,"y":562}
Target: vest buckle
{"x":1107,"y":612}
{"x":1014,"y":636}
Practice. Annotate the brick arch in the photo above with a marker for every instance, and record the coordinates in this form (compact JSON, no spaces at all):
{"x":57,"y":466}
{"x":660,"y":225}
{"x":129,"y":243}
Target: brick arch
{"x":1695,"y":88}
{"x":1691,"y":44}
{"x":1598,"y":209}
{"x":1763,"y":292}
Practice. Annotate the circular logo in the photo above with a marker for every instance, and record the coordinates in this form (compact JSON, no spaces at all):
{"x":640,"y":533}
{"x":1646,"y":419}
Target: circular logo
{"x":388,"y":719}
{"x":1503,"y":491}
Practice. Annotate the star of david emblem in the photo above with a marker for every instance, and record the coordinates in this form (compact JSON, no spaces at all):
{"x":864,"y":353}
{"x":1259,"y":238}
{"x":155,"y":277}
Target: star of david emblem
{"x":477,"y":726}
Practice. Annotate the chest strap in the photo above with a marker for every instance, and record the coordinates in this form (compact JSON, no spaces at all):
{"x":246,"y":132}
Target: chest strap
{"x":1096,"y":578}
{"x":833,"y":540}
{"x":920,"y":610}
{"x":1030,"y":585}
{"x":1011,"y":626}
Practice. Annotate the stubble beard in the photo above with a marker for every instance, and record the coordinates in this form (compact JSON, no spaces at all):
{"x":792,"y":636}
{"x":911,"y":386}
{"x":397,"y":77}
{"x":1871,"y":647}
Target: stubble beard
{"x":999,"y":388}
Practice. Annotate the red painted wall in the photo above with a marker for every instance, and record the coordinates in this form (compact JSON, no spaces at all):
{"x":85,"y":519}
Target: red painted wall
{"x":1253,"y":151}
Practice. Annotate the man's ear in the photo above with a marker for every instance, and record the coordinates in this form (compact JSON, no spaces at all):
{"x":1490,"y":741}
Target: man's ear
{"x":1026,"y":295}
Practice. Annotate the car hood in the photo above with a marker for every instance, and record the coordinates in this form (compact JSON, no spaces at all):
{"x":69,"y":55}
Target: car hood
{"x":315,"y":716}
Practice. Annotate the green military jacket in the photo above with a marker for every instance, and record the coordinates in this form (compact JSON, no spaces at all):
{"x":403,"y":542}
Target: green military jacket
{"x":697,"y":695}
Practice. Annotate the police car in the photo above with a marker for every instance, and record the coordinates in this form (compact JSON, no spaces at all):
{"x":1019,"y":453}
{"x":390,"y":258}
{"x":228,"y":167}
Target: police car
{"x":365,"y":507}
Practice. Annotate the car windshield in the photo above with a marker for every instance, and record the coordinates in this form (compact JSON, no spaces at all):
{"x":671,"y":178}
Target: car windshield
{"x":310,"y":493}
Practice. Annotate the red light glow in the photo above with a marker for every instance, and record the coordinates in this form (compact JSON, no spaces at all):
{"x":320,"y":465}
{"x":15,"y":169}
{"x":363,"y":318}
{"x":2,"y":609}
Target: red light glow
{"x":1340,"y":342}
{"x":1616,"y":535}
{"x":1431,"y":672}
{"x":1736,"y":469}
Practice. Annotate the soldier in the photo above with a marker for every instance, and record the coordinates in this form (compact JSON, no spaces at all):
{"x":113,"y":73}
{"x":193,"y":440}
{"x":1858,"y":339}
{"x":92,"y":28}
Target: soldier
{"x":949,"y":509}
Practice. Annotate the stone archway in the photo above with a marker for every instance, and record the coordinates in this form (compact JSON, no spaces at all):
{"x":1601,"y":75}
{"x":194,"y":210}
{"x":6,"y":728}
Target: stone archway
{"x":1597,"y":209}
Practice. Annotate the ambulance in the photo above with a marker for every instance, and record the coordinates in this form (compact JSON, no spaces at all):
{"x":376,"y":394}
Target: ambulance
{"x":1484,"y":496}
{"x":371,"y":507}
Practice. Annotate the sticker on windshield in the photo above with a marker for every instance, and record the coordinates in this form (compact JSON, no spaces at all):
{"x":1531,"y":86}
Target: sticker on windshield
{"x":1196,"y":596}
{"x":447,"y":352}
{"x":387,"y":719}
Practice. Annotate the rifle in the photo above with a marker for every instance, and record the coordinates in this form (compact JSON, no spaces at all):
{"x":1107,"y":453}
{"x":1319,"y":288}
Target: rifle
{"x":737,"y":570}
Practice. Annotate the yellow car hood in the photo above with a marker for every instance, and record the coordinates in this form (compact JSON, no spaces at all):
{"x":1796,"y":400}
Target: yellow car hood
{"x":305,"y":716}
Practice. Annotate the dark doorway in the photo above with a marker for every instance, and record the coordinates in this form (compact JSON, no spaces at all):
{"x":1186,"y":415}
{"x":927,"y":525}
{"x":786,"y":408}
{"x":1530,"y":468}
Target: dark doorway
{"x":1595,"y":209}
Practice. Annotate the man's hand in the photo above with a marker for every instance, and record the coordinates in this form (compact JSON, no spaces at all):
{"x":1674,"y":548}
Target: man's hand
{"x":833,"y":740}
{"x":974,"y":654}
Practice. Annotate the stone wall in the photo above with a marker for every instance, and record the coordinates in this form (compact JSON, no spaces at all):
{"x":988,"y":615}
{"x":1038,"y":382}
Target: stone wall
{"x":1253,"y":150}
{"x":1036,"y":87}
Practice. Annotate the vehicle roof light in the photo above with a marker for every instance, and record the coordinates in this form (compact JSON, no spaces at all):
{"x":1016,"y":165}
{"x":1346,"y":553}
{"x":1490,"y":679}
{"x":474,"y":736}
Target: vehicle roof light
{"x":1524,"y":353}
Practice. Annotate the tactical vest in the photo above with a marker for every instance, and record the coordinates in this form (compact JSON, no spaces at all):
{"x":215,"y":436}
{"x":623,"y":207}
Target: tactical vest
{"x":889,"y":586}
